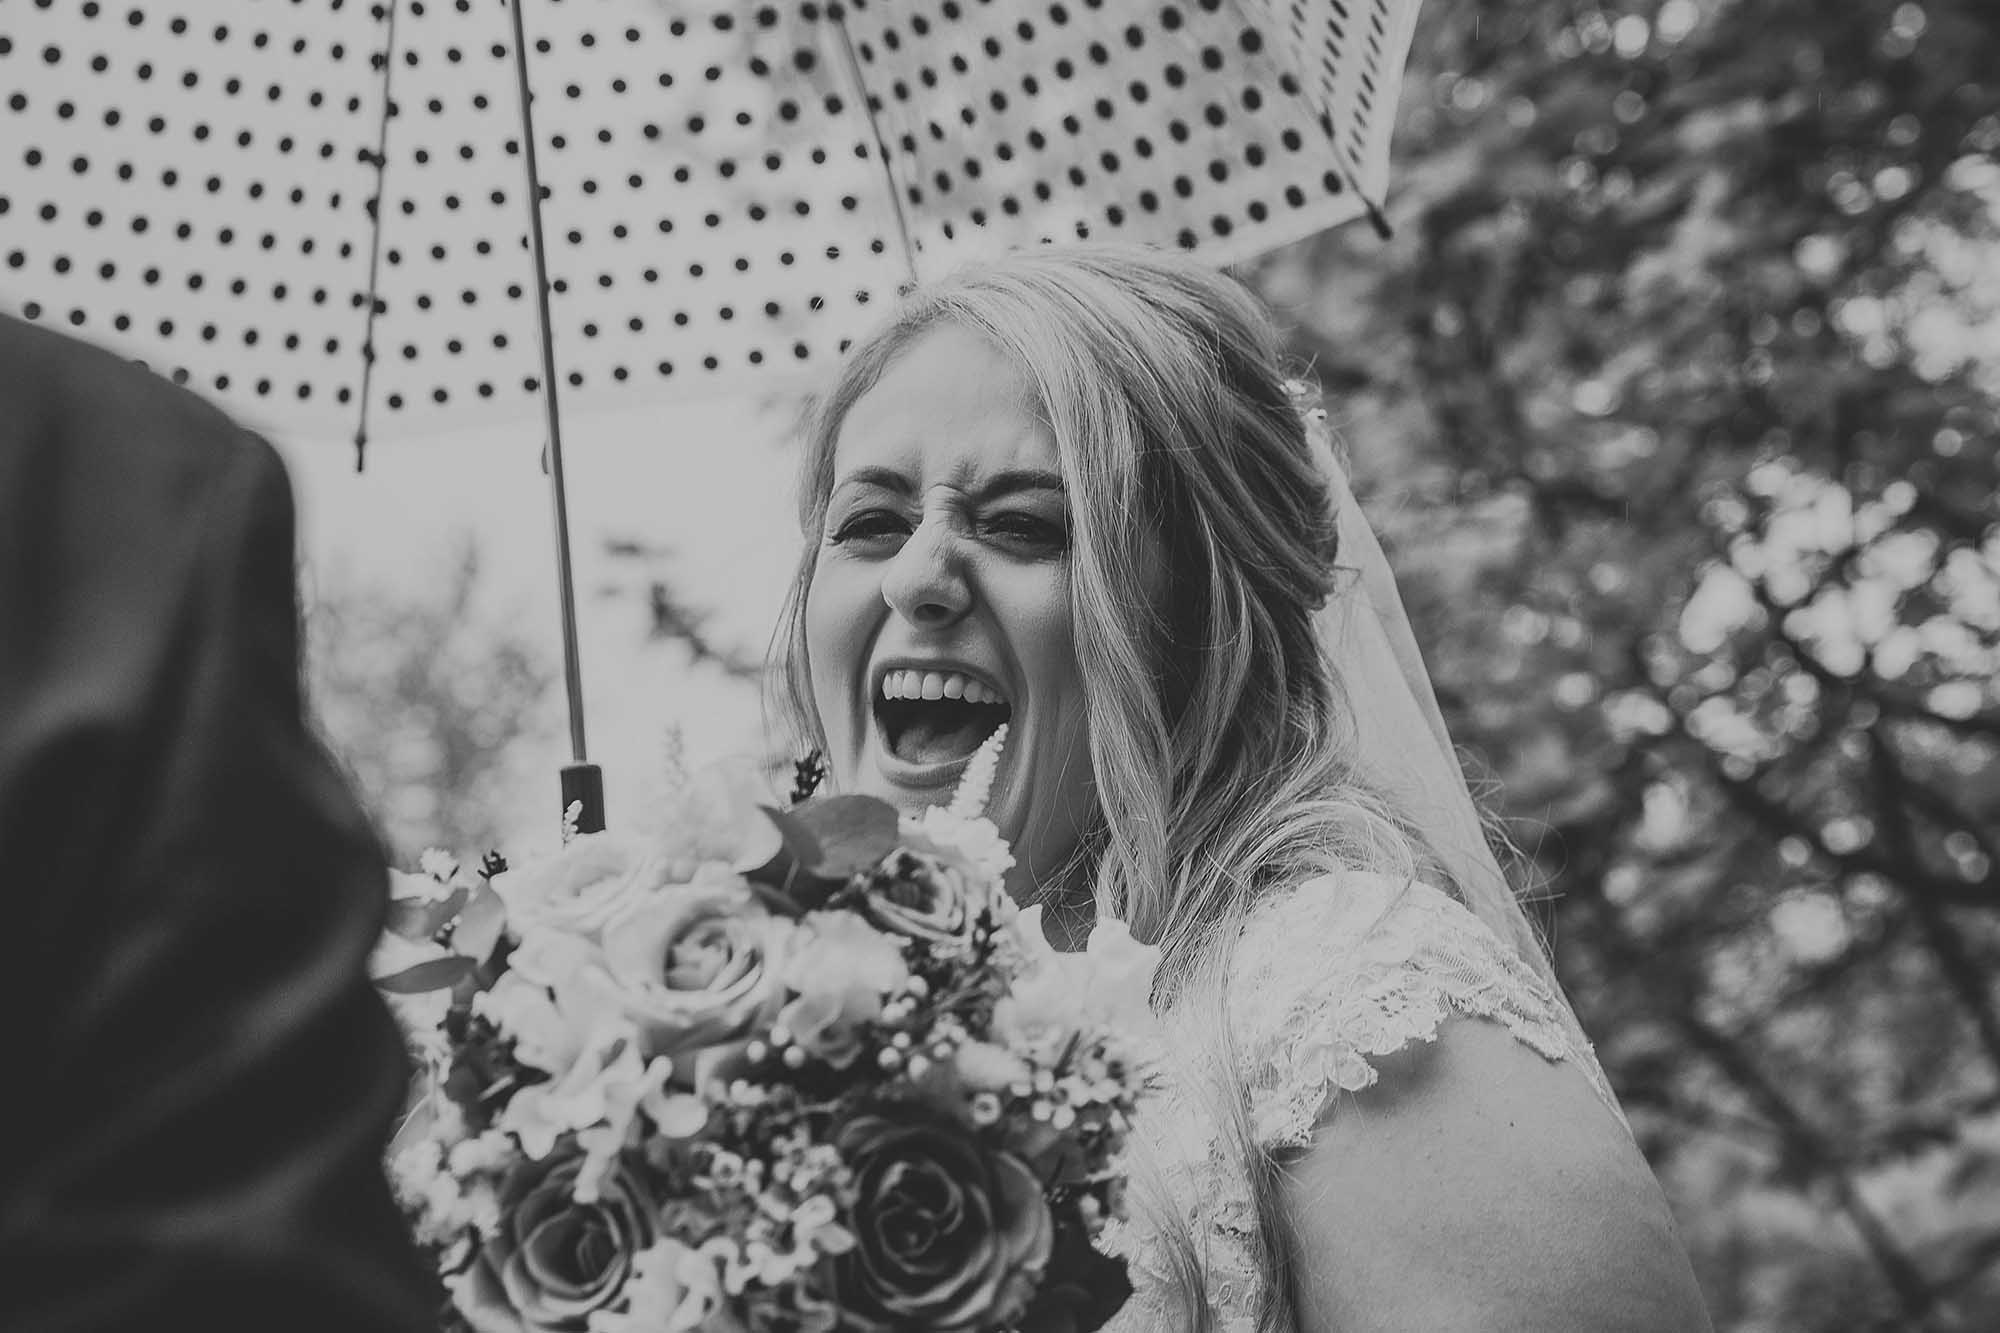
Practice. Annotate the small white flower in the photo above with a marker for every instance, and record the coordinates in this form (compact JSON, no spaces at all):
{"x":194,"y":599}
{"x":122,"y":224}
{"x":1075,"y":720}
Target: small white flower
{"x":580,"y":1097}
{"x":412,"y":1169}
{"x":975,"y":787}
{"x":972,"y":841}
{"x":624,"y":1085}
{"x":489,"y":1152}
{"x":525,"y":1011}
{"x":672,"y":1289}
{"x":984,"y":1067}
{"x":425,"y":887}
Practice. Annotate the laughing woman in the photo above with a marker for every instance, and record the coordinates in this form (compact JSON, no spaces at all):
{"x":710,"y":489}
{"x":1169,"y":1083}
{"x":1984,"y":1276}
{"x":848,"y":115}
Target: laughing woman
{"x":1073,"y":491}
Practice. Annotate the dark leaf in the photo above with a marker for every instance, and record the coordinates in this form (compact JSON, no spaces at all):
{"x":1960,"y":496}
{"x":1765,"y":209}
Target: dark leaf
{"x":773,"y":880}
{"x":1054,"y":1157}
{"x":853,"y":833}
{"x":480,"y":925}
{"x":1082,"y":1288}
{"x":786,"y":882}
{"x":801,"y":846}
{"x":771,"y":885}
{"x":429,"y":975}
{"x":420,"y":918}
{"x":488,"y":972}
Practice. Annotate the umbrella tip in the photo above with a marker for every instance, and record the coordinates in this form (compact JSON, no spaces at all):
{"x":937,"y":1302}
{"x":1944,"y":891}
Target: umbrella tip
{"x":1379,"y":219}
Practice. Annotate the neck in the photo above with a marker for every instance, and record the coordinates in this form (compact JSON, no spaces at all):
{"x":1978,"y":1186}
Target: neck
{"x":1069,"y":907}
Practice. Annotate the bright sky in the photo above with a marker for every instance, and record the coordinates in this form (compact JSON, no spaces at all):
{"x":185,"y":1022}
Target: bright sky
{"x":709,"y":478}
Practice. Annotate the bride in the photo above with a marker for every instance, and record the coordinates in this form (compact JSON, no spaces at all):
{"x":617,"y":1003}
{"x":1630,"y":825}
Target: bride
{"x":1072,"y":491}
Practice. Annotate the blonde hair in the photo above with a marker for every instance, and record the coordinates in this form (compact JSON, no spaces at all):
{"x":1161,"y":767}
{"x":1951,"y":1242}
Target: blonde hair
{"x":1234,"y":773}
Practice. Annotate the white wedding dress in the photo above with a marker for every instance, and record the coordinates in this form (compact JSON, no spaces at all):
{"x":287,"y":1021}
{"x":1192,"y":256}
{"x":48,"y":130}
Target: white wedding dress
{"x":1341,"y":971}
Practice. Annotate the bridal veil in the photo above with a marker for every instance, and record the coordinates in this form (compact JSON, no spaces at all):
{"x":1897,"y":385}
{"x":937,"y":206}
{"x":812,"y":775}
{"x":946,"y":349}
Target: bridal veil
{"x":1403,"y":746}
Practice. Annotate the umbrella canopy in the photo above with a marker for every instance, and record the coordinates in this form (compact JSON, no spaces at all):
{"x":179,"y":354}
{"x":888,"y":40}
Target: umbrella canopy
{"x":315,"y":211}
{"x":732,"y":190}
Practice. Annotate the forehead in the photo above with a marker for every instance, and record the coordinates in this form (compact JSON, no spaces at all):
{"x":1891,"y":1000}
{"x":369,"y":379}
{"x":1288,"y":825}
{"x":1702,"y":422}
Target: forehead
{"x":950,"y":408}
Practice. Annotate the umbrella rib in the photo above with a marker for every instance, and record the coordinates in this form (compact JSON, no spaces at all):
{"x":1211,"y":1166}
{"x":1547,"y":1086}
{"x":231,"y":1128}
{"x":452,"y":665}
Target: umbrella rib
{"x":839,"y":17}
{"x":1308,"y":92}
{"x":375,"y":234}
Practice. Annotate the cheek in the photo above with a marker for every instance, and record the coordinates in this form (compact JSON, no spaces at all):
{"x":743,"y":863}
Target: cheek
{"x":1048,"y":640}
{"x":1065,"y":675}
{"x":837,"y":631}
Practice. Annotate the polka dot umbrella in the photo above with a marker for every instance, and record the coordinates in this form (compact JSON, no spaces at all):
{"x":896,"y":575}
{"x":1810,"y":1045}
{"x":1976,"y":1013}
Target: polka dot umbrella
{"x":729,"y":191}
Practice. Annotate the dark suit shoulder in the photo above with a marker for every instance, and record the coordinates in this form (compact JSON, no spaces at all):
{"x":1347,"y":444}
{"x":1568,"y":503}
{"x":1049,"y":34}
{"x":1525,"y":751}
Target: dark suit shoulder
{"x":114,"y":484}
{"x":72,"y":408}
{"x":192,"y":892}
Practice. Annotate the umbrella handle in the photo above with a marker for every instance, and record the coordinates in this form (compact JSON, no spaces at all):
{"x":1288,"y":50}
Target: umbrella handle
{"x":583,"y":786}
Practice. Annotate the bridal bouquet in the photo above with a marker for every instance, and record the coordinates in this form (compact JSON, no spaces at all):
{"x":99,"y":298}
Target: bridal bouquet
{"x":764,"y":1070}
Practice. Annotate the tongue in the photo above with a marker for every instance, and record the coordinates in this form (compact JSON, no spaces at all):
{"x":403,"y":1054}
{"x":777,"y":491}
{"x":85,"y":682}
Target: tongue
{"x":938,"y":736}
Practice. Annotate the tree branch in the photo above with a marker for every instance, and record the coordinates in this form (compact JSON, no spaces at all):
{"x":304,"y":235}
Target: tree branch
{"x":1959,"y":969}
{"x":1804,"y":1142}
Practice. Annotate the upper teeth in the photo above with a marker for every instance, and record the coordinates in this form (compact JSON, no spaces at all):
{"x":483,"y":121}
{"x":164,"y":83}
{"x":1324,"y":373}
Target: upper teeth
{"x":937,"y":685}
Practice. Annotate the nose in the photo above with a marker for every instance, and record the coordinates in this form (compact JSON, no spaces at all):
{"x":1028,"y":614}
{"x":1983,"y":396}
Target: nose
{"x":925,"y":582}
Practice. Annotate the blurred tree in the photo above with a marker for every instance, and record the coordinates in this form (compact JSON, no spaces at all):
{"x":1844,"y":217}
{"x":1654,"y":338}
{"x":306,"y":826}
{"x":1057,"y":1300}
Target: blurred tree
{"x":1685,"y":450}
{"x":433,"y":706}
{"x":670,"y":615}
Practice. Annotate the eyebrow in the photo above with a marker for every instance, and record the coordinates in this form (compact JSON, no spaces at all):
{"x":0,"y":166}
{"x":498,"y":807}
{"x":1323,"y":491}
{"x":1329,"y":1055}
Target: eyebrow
{"x":1009,"y":482}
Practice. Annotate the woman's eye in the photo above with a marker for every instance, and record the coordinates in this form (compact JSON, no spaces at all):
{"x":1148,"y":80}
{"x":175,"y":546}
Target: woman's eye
{"x":1028,"y":530}
{"x":873,"y":525}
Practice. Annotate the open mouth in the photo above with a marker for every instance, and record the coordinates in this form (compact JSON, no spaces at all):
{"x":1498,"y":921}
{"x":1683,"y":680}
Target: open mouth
{"x":937,"y":717}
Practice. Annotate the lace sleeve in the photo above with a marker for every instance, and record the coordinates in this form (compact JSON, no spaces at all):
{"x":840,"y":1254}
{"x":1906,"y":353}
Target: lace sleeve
{"x":1354,"y":967}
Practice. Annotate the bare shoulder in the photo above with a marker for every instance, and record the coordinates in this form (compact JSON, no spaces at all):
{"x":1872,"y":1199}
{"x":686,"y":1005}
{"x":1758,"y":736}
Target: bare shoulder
{"x":1478,"y":1185}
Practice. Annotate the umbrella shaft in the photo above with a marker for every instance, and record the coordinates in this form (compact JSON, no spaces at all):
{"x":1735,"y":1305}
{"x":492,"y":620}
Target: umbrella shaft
{"x":565,"y":579}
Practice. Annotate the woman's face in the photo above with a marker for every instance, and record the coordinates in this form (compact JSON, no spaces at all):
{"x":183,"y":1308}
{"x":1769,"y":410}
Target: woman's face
{"x":939,"y":605}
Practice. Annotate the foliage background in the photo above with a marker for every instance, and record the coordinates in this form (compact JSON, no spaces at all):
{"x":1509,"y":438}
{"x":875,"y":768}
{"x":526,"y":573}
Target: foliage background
{"x":1676,"y":399}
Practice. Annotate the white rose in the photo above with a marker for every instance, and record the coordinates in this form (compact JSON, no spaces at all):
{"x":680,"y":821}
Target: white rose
{"x":841,"y":970}
{"x":1107,"y":987}
{"x":696,"y":964}
{"x":578,"y":888}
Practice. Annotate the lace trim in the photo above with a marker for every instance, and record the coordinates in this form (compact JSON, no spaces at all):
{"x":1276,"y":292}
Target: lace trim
{"x":1340,"y":972}
{"x":1416,"y":957}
